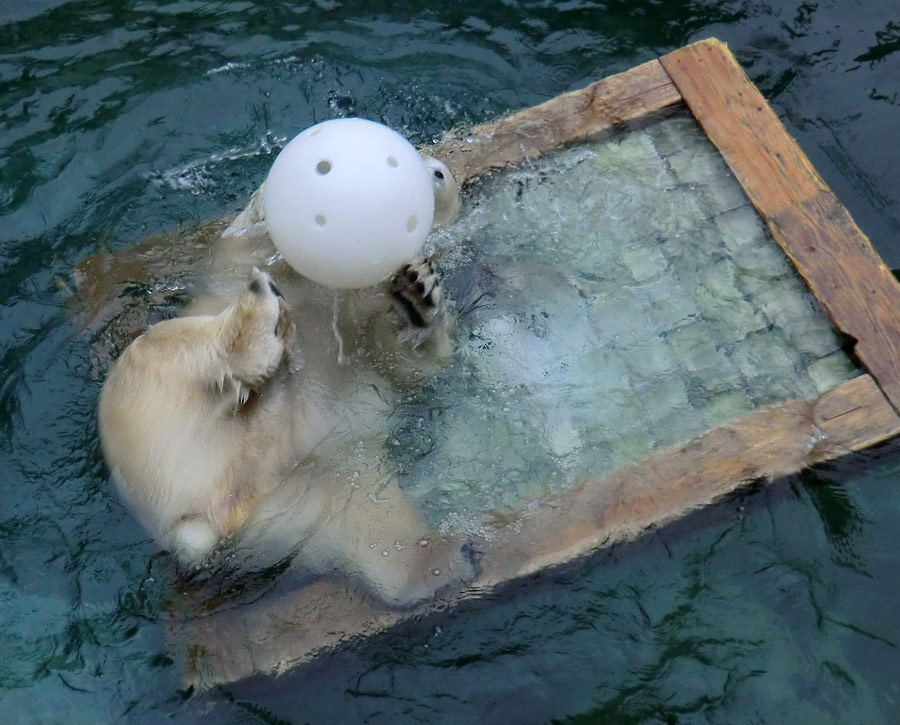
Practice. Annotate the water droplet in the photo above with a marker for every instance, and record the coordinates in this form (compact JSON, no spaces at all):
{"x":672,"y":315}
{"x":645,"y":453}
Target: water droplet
{"x":436,"y":572}
{"x":386,"y":552}
{"x":323,"y":167}
{"x":423,"y":542}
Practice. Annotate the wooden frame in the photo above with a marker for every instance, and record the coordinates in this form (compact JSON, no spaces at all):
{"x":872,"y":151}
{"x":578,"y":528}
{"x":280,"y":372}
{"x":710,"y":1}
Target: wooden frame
{"x":829,"y":251}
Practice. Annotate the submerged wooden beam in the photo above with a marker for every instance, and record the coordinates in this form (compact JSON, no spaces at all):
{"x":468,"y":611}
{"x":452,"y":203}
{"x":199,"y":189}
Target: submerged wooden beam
{"x":566,"y":119}
{"x":831,"y":253}
{"x":282,"y":630}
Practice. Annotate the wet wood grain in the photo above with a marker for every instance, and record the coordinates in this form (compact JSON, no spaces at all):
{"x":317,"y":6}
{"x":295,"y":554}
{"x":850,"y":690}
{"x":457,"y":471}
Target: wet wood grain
{"x":817,"y":233}
{"x":566,"y":119}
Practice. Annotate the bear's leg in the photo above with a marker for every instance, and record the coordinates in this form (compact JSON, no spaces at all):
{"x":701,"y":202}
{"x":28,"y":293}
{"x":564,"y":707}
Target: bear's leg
{"x":381,"y":540}
{"x":432,"y":564}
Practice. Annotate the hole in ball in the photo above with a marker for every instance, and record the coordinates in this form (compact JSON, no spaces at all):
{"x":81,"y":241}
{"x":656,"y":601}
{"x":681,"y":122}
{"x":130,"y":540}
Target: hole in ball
{"x":411,"y":223}
{"x":323,"y":167}
{"x":321,"y":220}
{"x":393,"y":162}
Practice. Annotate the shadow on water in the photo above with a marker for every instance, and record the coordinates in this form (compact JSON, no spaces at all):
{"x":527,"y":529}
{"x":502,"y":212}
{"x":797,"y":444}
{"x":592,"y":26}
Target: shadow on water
{"x":888,"y":43}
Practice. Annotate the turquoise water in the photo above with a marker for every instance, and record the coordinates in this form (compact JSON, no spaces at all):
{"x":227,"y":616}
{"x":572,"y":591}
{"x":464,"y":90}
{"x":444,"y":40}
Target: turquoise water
{"x":120,"y":120}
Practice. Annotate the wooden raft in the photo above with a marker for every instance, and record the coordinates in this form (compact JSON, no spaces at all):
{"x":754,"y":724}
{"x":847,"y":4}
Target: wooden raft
{"x":818,"y":235}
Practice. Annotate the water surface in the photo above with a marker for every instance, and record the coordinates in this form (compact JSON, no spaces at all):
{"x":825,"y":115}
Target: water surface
{"x":124,"y":119}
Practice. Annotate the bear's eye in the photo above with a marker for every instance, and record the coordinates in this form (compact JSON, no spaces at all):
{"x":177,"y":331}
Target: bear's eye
{"x":275,"y":290}
{"x":439,"y":175}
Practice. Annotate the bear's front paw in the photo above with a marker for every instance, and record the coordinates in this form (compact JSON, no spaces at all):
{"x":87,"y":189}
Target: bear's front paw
{"x":419,"y":303}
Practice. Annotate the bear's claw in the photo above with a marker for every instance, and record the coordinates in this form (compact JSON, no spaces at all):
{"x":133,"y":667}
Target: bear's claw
{"x":418,"y":300}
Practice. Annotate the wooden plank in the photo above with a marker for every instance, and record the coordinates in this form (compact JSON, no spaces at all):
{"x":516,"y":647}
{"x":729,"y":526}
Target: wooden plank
{"x":816,"y":232}
{"x":566,"y":119}
{"x":286,"y":628}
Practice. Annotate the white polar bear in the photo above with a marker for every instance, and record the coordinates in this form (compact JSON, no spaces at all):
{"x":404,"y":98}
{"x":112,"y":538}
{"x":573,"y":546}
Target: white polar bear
{"x":233,"y":421}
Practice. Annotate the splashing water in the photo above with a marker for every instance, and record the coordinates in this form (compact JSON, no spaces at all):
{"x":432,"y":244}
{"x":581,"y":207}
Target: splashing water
{"x":335,"y":316}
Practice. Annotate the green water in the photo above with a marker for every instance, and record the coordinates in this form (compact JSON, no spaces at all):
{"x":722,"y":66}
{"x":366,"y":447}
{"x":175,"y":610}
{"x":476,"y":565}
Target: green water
{"x":120,"y":120}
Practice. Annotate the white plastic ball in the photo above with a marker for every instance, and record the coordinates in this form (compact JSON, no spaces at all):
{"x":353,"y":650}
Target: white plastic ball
{"x":348,"y":201}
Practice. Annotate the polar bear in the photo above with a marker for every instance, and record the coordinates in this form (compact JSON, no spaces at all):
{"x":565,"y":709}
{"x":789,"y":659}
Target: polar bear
{"x":256,"y":421}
